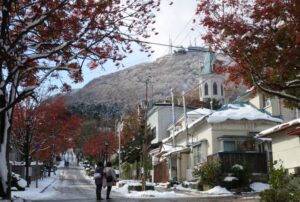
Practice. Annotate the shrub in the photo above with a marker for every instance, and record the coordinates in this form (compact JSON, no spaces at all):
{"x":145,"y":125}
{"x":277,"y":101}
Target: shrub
{"x":210,"y":173}
{"x":242,"y":173}
{"x":284,"y":188}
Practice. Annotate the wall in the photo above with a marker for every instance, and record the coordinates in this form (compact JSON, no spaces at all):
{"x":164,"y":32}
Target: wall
{"x":236,"y":128}
{"x":287,"y":149}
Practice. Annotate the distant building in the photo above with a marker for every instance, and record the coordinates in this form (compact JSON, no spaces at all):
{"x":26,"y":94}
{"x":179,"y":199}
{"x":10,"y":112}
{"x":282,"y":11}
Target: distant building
{"x":211,"y":84}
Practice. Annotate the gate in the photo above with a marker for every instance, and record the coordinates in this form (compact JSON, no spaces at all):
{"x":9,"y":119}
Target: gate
{"x":161,"y":172}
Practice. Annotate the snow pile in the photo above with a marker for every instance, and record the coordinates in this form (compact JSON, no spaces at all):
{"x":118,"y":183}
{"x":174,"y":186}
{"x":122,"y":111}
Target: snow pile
{"x":238,"y":167}
{"x":239,"y":111}
{"x":217,"y":190}
{"x":258,"y":186}
{"x":180,"y":187}
{"x":230,"y":179}
{"x":124,"y":190}
{"x":200,"y":111}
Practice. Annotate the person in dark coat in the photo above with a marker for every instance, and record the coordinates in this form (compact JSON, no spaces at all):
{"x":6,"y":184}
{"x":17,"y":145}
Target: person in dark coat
{"x":98,"y":176}
{"x":111,"y":179}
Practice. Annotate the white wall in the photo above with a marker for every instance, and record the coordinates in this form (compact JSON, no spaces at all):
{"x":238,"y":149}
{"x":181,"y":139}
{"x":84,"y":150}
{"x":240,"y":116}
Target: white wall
{"x":286,"y":148}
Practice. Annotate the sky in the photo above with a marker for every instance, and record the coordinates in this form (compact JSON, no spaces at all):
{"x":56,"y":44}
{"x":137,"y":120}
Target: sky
{"x":173,"y":22}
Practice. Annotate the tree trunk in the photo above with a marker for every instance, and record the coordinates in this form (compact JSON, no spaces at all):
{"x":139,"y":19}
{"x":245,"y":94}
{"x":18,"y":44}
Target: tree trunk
{"x":5,"y":122}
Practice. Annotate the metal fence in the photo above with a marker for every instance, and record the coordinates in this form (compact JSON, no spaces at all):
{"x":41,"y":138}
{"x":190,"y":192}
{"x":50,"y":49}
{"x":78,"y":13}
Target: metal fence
{"x":35,"y":171}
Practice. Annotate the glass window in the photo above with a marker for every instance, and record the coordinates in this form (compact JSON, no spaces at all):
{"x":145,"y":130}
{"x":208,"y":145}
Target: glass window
{"x":215,"y":88}
{"x":205,"y":89}
{"x":222,"y":90}
{"x":197,"y":154}
{"x":229,"y":146}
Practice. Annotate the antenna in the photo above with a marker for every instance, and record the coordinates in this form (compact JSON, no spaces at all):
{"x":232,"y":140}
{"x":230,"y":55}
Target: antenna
{"x":170,"y":45}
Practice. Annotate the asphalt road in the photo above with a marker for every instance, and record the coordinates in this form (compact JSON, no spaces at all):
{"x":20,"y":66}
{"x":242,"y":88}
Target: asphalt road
{"x":72,"y":186}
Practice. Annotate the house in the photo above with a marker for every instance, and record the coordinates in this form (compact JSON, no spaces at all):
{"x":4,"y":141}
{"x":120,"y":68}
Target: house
{"x":227,"y":134}
{"x":159,"y":118}
{"x":285,"y":144}
{"x":273,"y":105}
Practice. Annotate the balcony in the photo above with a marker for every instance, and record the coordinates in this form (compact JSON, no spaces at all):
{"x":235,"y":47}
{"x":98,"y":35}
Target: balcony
{"x":256,"y":162}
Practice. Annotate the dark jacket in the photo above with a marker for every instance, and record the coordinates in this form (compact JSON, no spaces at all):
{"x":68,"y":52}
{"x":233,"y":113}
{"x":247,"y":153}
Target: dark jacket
{"x":98,"y":179}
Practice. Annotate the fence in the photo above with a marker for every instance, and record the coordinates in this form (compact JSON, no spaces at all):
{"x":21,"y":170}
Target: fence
{"x":255,"y":162}
{"x":35,"y":171}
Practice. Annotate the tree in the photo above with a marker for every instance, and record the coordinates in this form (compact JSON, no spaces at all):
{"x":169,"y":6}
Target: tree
{"x":51,"y":124}
{"x":39,"y":39}
{"x":95,"y":146}
{"x":262,"y":37}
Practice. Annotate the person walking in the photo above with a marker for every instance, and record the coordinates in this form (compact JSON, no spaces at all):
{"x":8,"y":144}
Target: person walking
{"x":98,"y":176}
{"x":110,"y":178}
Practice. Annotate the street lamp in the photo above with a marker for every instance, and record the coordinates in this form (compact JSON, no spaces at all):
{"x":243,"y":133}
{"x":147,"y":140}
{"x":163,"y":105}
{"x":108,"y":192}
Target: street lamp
{"x":27,"y":148}
{"x":106,"y":146}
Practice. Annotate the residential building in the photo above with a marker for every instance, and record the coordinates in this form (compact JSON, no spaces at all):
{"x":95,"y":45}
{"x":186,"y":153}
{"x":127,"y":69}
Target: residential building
{"x":273,"y":105}
{"x":159,"y":118}
{"x":285,"y":144}
{"x":227,"y":134}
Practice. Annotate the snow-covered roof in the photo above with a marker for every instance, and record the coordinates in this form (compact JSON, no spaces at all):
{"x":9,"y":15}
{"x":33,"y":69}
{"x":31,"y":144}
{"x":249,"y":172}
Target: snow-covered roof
{"x":200,"y":111}
{"x":280,"y":127}
{"x":239,"y":111}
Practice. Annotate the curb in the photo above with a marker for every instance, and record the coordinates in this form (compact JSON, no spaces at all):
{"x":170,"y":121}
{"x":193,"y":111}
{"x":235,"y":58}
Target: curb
{"x":47,"y":186}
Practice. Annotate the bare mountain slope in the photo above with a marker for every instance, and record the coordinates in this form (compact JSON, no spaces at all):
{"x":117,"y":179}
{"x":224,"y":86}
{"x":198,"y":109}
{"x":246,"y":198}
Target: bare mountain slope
{"x":127,"y":87}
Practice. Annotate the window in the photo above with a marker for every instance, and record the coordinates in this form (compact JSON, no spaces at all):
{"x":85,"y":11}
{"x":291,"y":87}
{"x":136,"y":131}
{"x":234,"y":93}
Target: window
{"x":239,"y":145}
{"x":229,"y":146}
{"x":153,"y":132}
{"x":205,"y":89}
{"x":197,"y":154}
{"x":215,"y":88}
{"x":222,"y":90}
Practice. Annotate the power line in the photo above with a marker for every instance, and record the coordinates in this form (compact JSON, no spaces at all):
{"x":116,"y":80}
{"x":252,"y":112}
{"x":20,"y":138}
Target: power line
{"x":168,"y":45}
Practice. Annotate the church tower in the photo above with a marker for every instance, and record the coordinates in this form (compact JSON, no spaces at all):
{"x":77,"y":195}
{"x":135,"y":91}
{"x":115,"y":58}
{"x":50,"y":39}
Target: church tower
{"x":211,"y":85}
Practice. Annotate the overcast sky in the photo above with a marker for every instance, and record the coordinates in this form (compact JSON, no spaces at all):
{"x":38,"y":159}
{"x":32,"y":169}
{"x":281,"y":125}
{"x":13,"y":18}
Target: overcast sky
{"x":173,"y":22}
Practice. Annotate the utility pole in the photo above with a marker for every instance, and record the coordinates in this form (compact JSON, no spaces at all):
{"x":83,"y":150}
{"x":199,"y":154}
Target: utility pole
{"x":145,"y":139}
{"x":185,"y":118}
{"x":173,"y":117}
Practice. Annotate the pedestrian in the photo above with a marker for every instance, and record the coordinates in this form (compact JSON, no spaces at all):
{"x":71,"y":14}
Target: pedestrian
{"x":111,"y":179}
{"x":98,"y":176}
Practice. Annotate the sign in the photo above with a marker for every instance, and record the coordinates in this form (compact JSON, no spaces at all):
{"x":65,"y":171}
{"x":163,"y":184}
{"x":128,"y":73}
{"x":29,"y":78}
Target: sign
{"x":37,"y":146}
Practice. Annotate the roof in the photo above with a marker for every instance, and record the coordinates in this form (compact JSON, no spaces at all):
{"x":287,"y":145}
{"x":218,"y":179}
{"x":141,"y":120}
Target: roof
{"x":200,"y":111}
{"x":240,"y":111}
{"x":177,"y":150}
{"x":281,"y":127}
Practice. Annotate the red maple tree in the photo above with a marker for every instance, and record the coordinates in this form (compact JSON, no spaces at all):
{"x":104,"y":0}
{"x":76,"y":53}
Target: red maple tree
{"x":101,"y":145}
{"x":262,"y":37}
{"x":52,"y":129}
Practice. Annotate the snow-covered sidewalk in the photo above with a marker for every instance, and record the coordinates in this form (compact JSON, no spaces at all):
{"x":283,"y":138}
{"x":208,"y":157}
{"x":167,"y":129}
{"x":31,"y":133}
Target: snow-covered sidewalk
{"x":42,"y":191}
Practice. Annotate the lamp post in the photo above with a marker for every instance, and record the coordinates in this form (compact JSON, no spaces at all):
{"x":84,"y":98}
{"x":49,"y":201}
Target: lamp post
{"x":106,"y":146}
{"x":27,"y":149}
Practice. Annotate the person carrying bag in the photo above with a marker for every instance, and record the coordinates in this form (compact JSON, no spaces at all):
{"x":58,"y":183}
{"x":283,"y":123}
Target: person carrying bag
{"x":98,"y":176}
{"x":111,"y":179}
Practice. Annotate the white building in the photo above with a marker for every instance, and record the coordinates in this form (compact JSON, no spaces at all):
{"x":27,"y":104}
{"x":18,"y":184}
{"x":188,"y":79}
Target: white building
{"x":229,"y":131}
{"x":285,"y":144}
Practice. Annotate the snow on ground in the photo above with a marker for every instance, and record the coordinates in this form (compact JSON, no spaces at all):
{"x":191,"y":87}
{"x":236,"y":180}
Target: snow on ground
{"x":38,"y":193}
{"x":217,"y":190}
{"x":230,"y":178}
{"x":146,"y":194}
{"x":258,"y":186}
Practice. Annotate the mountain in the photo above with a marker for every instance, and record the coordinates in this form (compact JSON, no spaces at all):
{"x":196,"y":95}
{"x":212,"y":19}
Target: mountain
{"x":126,"y":88}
